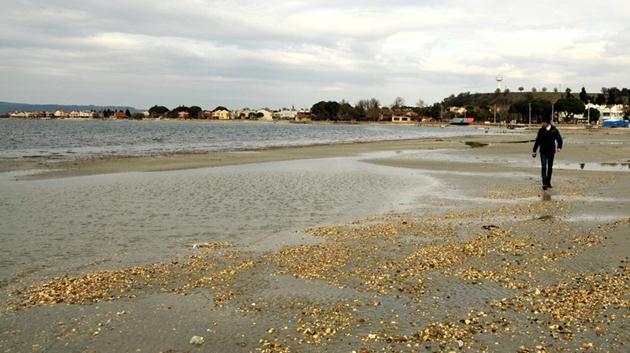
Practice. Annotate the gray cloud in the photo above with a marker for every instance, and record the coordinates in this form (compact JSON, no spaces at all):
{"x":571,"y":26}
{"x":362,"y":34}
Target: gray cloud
{"x":280,"y":53}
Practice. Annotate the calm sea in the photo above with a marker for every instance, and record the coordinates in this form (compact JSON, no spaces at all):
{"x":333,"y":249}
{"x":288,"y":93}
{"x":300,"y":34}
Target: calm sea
{"x":57,"y":139}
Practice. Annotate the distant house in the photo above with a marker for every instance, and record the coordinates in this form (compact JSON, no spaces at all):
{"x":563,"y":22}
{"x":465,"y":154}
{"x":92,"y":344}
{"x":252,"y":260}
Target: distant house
{"x":81,"y":115}
{"x":303,"y":117}
{"x":457,"y":110}
{"x":18,"y":115}
{"x":606,"y":112}
{"x":241,"y":113}
{"x":221,"y":113}
{"x":611,"y":112}
{"x":285,"y":114}
{"x":403,"y":117}
{"x":264,"y":114}
{"x":183,"y":115}
{"x":119,"y":115}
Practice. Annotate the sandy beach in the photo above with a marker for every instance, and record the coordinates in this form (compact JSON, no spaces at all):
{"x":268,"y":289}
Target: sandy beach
{"x":481,"y":260}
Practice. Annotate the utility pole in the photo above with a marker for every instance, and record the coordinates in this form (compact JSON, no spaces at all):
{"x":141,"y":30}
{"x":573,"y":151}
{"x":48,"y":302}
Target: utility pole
{"x":530,"y":114}
{"x":552,"y":104}
{"x":495,"y":114}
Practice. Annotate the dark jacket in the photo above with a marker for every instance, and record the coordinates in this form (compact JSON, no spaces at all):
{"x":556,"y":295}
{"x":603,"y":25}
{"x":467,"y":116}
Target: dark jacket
{"x":547,"y":140}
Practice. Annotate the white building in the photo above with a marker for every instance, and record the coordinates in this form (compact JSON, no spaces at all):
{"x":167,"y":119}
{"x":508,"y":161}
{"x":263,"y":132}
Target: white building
{"x":457,"y":110}
{"x":606,"y":112}
{"x":242,"y":113}
{"x":267,"y":115}
{"x":81,"y":114}
{"x":285,"y":114}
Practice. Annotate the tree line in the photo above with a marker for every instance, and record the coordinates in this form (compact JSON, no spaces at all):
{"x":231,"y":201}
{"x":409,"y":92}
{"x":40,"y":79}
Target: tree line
{"x":159,"y":111}
{"x":370,"y":110}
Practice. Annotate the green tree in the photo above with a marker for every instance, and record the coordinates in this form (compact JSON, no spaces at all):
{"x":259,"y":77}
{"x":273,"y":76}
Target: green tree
{"x":570,"y":106}
{"x":346,"y":111}
{"x":601,"y":99}
{"x":181,"y":108}
{"x":583,"y":96}
{"x":593,"y":114}
{"x":614,"y":96}
{"x":325,"y":110}
{"x":158,"y":111}
{"x":127,"y":113}
{"x":568,"y":92}
{"x":540,"y":109}
{"x":195,"y":112}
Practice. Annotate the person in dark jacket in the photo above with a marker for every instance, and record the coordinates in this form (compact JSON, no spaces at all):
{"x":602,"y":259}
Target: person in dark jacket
{"x":546,"y":139}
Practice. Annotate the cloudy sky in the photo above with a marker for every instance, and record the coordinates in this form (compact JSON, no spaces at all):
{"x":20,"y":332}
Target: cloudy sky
{"x":281,"y":53}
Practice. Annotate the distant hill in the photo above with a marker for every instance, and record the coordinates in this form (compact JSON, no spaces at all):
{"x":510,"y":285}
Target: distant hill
{"x":7,"y":107}
{"x":507,"y":98}
{"x":503,"y":99}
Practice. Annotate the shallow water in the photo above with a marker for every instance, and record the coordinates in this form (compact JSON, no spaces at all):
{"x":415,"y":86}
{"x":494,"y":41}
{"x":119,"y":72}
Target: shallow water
{"x":58,"y":139}
{"x":453,"y":155}
{"x":49,"y":227}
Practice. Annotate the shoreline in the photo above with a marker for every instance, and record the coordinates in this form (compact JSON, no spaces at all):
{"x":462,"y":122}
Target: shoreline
{"x":512,"y":143}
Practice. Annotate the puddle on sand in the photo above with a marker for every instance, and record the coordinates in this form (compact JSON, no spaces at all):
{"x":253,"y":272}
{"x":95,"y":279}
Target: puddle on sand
{"x":621,"y":166}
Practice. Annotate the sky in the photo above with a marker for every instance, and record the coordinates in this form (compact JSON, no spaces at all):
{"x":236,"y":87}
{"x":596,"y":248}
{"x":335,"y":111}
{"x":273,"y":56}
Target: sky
{"x":295,"y":53}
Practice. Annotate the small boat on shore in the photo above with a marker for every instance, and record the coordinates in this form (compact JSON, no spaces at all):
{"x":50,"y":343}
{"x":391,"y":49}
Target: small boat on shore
{"x":462,"y":121}
{"x":615,"y":123}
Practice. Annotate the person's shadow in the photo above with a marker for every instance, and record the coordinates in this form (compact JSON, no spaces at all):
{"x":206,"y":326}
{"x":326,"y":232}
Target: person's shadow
{"x":546,"y":196}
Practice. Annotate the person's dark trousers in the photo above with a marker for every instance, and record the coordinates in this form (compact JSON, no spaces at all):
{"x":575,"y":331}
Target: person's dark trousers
{"x":546,"y":162}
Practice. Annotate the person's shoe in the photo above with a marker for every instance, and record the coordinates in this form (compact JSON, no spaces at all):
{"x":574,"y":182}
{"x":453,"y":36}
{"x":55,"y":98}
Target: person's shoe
{"x":544,"y":187}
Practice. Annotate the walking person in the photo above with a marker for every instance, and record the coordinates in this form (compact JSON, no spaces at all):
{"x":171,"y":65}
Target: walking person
{"x":546,"y":139}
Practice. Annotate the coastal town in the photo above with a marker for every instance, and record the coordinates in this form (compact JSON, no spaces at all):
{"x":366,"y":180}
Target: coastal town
{"x":610,"y":107}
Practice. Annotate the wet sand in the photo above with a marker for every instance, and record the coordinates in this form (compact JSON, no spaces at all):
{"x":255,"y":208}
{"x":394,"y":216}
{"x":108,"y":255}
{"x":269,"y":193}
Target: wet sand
{"x":485,"y":261}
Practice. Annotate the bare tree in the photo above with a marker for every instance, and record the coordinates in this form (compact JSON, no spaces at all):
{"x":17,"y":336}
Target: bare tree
{"x":398,"y":103}
{"x":373,"y":109}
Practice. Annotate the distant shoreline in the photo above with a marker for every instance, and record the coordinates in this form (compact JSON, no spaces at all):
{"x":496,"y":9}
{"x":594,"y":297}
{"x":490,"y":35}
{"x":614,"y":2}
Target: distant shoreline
{"x":445,"y":124}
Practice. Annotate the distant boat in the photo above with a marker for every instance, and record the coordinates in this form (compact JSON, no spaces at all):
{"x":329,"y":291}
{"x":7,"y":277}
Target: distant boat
{"x":615,"y":123}
{"x":462,"y":121}
{"x":516,"y":127}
